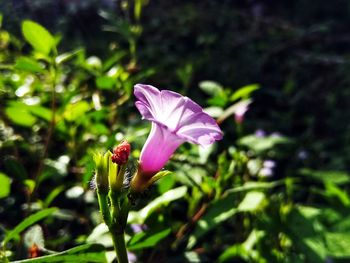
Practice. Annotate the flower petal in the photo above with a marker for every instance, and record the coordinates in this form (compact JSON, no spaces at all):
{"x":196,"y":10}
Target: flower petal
{"x":150,"y":103}
{"x":160,"y":145}
{"x":201,"y":129}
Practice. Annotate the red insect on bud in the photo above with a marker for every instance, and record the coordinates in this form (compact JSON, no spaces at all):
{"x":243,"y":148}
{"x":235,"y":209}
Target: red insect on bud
{"x":121,"y":153}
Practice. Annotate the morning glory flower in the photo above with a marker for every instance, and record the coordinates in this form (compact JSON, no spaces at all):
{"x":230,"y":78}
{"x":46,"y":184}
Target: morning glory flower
{"x":175,"y":119}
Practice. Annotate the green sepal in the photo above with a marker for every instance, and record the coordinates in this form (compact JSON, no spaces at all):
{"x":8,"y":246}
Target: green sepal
{"x":157,"y":176}
{"x":102,"y":171}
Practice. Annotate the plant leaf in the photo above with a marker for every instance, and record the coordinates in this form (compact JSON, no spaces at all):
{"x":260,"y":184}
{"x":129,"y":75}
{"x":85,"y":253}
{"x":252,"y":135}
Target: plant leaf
{"x":149,"y":240}
{"x":38,"y":36}
{"x":84,"y":253}
{"x":169,"y":196}
{"x":5,"y":183}
{"x":28,"y":222}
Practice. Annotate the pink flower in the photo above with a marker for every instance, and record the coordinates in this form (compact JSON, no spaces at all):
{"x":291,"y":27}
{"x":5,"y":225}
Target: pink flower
{"x":175,"y":120}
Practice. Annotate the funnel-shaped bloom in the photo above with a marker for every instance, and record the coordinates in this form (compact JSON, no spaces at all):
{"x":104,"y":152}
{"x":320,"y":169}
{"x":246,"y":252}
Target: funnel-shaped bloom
{"x":175,"y":120}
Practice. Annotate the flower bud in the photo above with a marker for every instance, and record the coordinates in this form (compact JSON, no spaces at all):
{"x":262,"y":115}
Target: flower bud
{"x":117,"y":166}
{"x":121,"y":153}
{"x":102,"y":170}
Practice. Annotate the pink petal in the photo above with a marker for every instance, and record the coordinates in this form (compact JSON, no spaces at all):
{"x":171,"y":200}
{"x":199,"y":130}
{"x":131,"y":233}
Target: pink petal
{"x":160,"y":145}
{"x":149,"y":101}
{"x":201,"y":129}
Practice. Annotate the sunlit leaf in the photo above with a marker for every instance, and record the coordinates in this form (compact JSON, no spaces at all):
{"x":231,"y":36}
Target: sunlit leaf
{"x":30,"y":184}
{"x":41,"y":112}
{"x":244,"y":92}
{"x":174,"y":194}
{"x":252,"y":201}
{"x":67,"y":56}
{"x":28,"y":64}
{"x":338,"y":244}
{"x":32,"y":219}
{"x":218,"y":212}
{"x":105,"y":82}
{"x":5,"y":185}
{"x":336,"y":177}
{"x":148,"y":240}
{"x":100,"y":234}
{"x":20,"y":115}
{"x":74,"y":111}
{"x":38,"y":36}
{"x":261,"y":144}
{"x":210,"y":87}
{"x":84,"y":254}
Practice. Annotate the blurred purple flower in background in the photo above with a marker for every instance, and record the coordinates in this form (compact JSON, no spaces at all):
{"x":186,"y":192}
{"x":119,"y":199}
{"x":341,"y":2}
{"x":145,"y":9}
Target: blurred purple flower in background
{"x":137,"y":228}
{"x":267,"y":168}
{"x":242,"y":108}
{"x":260,"y":133}
{"x":175,"y":120}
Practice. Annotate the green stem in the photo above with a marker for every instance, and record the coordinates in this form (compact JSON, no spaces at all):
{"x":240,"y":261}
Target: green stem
{"x":120,"y":211}
{"x":120,"y":247}
{"x":103,"y":203}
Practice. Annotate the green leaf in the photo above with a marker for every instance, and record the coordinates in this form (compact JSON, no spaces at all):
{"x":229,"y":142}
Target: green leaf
{"x":163,"y":200}
{"x":338,"y":244}
{"x":236,"y":107}
{"x":84,"y":253}
{"x":147,"y":240}
{"x":210,"y":87}
{"x":75,"y":111}
{"x":218,"y":212}
{"x":244,"y":250}
{"x":118,"y":55}
{"x":38,"y":37}
{"x":52,"y":195}
{"x":25,"y":115}
{"x":67,"y":56}
{"x":105,"y":82}
{"x":244,"y":92}
{"x":41,"y":112}
{"x":158,"y":176}
{"x":336,"y":177}
{"x":252,"y":201}
{"x":28,"y":64}
{"x":15,"y":169}
{"x":20,"y":115}
{"x":28,"y":222}
{"x":305,"y":230}
{"x":222,"y":210}
{"x":30,"y":184}
{"x":255,"y":186}
{"x":100,"y":234}
{"x":5,"y":183}
{"x":262,"y":144}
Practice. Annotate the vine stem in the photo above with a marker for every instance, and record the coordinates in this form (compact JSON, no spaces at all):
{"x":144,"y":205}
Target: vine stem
{"x":120,"y":247}
{"x":115,"y":218}
{"x":53,"y":71}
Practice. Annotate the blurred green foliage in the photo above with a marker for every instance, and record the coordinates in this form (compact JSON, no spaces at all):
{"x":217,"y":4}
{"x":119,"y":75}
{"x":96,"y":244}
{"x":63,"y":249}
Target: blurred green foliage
{"x":274,"y":190}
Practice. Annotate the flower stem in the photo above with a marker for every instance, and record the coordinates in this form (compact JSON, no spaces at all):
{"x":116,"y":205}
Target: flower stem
{"x":120,"y":247}
{"x":104,"y":209}
{"x":120,"y":211}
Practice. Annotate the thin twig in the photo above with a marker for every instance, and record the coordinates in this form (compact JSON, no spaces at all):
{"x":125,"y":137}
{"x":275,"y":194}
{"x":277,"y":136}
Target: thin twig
{"x":47,"y":139}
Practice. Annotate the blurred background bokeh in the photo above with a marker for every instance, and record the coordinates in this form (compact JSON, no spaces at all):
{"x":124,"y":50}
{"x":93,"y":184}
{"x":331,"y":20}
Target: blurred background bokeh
{"x":273,"y":73}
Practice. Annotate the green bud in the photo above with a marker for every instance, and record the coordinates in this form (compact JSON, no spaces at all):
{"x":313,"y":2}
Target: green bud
{"x":102,"y":171}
